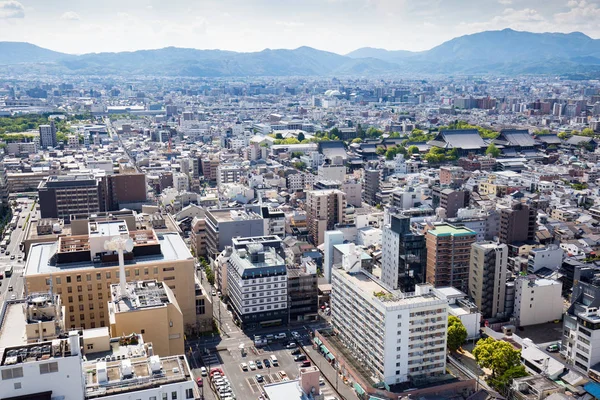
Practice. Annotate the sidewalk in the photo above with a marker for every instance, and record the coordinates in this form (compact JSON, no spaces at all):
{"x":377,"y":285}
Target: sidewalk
{"x":346,"y":392}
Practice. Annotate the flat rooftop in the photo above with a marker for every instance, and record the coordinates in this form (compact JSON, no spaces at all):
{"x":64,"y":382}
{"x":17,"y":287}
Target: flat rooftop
{"x":25,"y":353}
{"x":140,"y":294}
{"x":235,"y":214}
{"x":449,"y":230}
{"x":13,"y":328}
{"x":172,"y":248}
{"x":289,"y":390}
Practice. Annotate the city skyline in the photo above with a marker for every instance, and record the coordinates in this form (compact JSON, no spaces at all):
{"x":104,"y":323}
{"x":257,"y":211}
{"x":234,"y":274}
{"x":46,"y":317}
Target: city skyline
{"x":346,"y":25}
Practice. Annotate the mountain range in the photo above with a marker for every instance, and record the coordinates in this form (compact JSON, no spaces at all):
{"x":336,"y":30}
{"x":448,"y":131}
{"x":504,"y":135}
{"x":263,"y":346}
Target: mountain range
{"x":490,"y":52}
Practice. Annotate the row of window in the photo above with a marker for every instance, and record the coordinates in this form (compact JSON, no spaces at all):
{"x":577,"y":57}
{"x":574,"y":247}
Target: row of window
{"x":108,"y":275}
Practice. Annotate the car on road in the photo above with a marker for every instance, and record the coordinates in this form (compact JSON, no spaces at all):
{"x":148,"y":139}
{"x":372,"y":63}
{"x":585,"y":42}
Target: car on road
{"x":13,"y":297}
{"x":296,"y":352}
{"x":305,"y":364}
{"x":321,"y":381}
{"x":283,"y":376}
{"x":259,"y":364}
{"x":252,"y":365}
{"x":553,"y":348}
{"x":7,"y":253}
{"x":267,"y":363}
{"x":244,"y":366}
{"x":203,"y":371}
{"x":10,"y":288}
{"x":259,"y":378}
{"x":12,"y":257}
{"x":213,"y":293}
{"x":291,"y":345}
{"x":295,"y":335}
{"x":199,"y":382}
{"x":300,"y":357}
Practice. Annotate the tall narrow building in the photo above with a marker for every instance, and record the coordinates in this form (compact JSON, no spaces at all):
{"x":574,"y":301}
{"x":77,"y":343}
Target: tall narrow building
{"x":324,"y":209}
{"x":448,"y":255}
{"x":517,"y":223}
{"x":403,"y":256}
{"x":487,"y":277}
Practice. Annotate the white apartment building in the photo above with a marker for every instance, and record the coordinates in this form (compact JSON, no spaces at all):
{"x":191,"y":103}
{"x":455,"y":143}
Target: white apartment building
{"x":181,"y":182}
{"x":400,"y":335}
{"x":229,"y":174}
{"x":550,"y":257}
{"x":329,"y":172}
{"x":537,"y":301}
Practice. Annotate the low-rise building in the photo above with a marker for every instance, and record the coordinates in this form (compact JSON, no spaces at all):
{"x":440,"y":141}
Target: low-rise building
{"x":537,"y":301}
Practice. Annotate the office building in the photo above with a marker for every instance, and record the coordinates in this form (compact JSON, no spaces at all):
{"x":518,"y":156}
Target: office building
{"x":487,"y":277}
{"x":257,"y":282}
{"x":372,"y":180}
{"x":396,"y":336}
{"x":209,"y":167}
{"x":125,"y":190}
{"x":303,"y":290}
{"x":81,"y":271}
{"x":448,"y":256}
{"x":324,"y":209}
{"x":581,"y":323}
{"x":403,"y":255}
{"x":48,"y":135}
{"x":517,"y":223}
{"x":148,"y":307}
{"x":63,"y":195}
{"x":181,"y":182}
{"x":229,"y":174}
{"x":450,"y":200}
{"x":222,"y":225}
{"x":537,"y":300}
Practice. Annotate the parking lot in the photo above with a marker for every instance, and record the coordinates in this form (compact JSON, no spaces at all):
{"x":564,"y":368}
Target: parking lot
{"x":245,"y":384}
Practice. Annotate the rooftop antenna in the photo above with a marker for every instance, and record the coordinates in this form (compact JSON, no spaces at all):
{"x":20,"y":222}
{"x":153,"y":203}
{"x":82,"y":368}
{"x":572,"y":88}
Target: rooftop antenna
{"x":120,"y":244}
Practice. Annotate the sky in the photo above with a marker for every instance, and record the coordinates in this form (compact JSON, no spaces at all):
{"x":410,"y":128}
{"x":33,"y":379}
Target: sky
{"x":85,"y":26}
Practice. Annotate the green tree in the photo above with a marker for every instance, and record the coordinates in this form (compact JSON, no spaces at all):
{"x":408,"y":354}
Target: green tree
{"x":588,"y":132}
{"x":564,"y":135}
{"x":279,"y":136}
{"x":357,"y":140}
{"x":334,"y":132}
{"x":301,"y":136}
{"x":492,"y":150}
{"x":374,"y":132}
{"x":297,"y":154}
{"x":457,"y":333}
{"x":435,"y":155}
{"x":575,"y":132}
{"x":391,"y":152}
{"x":394,"y":135}
{"x":502,"y":359}
{"x":380,"y":151}
{"x":299,"y":165}
{"x":413,"y":150}
{"x":360,"y":132}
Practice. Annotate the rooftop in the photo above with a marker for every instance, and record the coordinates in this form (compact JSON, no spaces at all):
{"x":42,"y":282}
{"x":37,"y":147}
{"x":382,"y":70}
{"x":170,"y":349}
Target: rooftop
{"x":140,"y":294}
{"x":449,"y":230}
{"x":41,"y":351}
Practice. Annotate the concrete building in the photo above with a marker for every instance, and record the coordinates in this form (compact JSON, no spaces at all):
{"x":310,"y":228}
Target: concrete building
{"x":401,"y":336}
{"x":81,"y":271}
{"x":305,"y":387}
{"x":44,"y":317}
{"x":324,"y":209}
{"x":222,"y":225}
{"x":462,"y":308}
{"x":209,"y":168}
{"x":331,"y":172}
{"x":448,"y":256}
{"x":303,"y":292}
{"x":517,"y":223}
{"x":48,"y":136}
{"x":125,"y":190}
{"x":148,"y":307}
{"x":537,"y":301}
{"x":403,"y":255}
{"x":450,"y":200}
{"x":550,"y":257}
{"x":372,"y":180}
{"x":257,"y":282}
{"x":181,"y":182}
{"x":487,"y":277}
{"x":229,"y":174}
{"x":198,"y":235}
{"x":63,"y":195}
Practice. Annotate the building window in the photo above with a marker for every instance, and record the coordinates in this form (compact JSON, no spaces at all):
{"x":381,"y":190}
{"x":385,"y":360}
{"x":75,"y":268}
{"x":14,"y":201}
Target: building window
{"x":128,"y":273}
{"x":88,"y":277}
{"x":68,"y":279}
{"x":89,"y":287}
{"x":17,"y":385}
{"x":98,"y":276}
{"x":58,"y":280}
{"x":108,"y":275}
{"x":48,"y":368}
{"x":155,"y":270}
{"x":137,"y":272}
{"x":90,"y":346}
{"x":174,"y":395}
{"x":81,"y":307}
{"x":79,"y":288}
{"x":81,"y":317}
{"x":99,"y":286}
{"x":70,"y":299}
{"x":189,"y":393}
{"x":69,"y":289}
{"x":80,"y":297}
{"x":78,"y":278}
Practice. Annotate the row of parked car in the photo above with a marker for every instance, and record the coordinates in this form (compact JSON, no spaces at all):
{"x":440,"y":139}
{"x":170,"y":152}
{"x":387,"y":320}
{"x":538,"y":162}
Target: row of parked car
{"x":220,"y":382}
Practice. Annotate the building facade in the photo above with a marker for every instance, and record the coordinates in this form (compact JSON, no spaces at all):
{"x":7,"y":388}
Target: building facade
{"x":487,"y":277}
{"x":324,"y":209}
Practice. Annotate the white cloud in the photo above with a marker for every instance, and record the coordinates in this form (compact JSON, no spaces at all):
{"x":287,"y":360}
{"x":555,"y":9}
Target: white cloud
{"x":70,"y":16}
{"x":289,"y":24}
{"x":11,"y":9}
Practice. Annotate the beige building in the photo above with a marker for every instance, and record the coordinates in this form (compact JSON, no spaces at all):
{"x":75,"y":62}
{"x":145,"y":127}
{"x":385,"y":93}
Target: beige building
{"x":82,"y":272}
{"x":324,"y":209}
{"x":44,"y":317}
{"x":150,"y":308}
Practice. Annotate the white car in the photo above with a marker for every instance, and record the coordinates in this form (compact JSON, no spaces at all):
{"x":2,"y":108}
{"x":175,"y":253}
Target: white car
{"x":295,"y":335}
{"x":203,"y":371}
{"x":252,"y":365}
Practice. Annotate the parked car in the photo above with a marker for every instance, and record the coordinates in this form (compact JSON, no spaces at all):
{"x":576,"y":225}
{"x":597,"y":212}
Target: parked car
{"x":252,"y":365}
{"x":553,"y":348}
{"x":305,"y":364}
{"x":296,"y":335}
{"x":267,"y":363}
{"x":199,"y":382}
{"x":280,"y":336}
{"x":259,"y":378}
{"x":244,"y":367}
{"x":296,"y":352}
{"x":203,"y":371}
{"x":259,"y":364}
{"x":300,"y":357}
{"x":291,"y":345}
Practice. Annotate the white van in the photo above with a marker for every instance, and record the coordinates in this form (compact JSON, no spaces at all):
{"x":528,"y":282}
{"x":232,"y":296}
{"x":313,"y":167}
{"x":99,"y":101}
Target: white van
{"x":274,"y":360}
{"x":280,"y":336}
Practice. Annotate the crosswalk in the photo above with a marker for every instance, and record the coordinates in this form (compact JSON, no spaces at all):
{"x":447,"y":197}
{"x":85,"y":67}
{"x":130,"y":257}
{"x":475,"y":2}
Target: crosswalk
{"x":210,"y":359}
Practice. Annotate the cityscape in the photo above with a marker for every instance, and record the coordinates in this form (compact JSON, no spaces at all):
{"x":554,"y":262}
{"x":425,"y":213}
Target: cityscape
{"x":338,"y":222}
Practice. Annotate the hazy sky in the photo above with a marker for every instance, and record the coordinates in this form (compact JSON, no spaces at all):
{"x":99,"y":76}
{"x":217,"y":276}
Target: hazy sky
{"x":83,"y":26}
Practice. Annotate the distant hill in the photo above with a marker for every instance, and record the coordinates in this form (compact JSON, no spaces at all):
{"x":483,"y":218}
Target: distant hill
{"x":498,"y":52}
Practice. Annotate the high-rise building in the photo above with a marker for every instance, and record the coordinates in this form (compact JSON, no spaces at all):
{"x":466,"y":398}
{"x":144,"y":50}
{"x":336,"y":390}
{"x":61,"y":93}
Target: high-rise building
{"x":63,"y":195}
{"x":403,"y":255}
{"x":395,"y":336}
{"x":517,"y":223}
{"x":487,"y":277}
{"x":448,"y":256}
{"x":222,"y":225}
{"x":324,"y":209}
{"x":450,"y":200}
{"x":303,"y":290}
{"x":81,"y":271}
{"x":48,"y":135}
{"x":372,"y":180}
{"x":209,"y":167}
{"x":126,"y":190}
{"x":257,"y":281}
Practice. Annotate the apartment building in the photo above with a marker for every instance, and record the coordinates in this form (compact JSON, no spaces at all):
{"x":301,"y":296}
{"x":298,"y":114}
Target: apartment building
{"x":517,"y":223}
{"x":20,"y":182}
{"x":198,"y":236}
{"x":537,"y":300}
{"x":48,"y":135}
{"x":63,"y":195}
{"x":222,"y":225}
{"x":487,"y":277}
{"x":550,"y":257}
{"x":401,"y":336}
{"x":403,"y":255}
{"x":81,"y":271}
{"x":229,"y":174}
{"x":208,"y":168}
{"x":450,"y":200}
{"x":324,"y":209}
{"x":448,"y":256}
{"x":181,"y":182}
{"x":148,"y":307}
{"x":257,"y":281}
{"x":372,"y":180}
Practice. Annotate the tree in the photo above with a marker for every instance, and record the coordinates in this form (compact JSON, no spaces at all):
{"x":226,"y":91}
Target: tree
{"x":360,"y":132}
{"x":413,"y":150}
{"x":588,"y":132}
{"x":301,"y":136}
{"x":457,"y":333}
{"x":435,"y":155}
{"x":492,"y":150}
{"x":297,"y":154}
{"x":278,"y":136}
{"x":299,"y":165}
{"x":380,"y":151}
{"x":564,"y":135}
{"x":502,"y":359}
{"x":374,"y":132}
{"x":357,"y":140}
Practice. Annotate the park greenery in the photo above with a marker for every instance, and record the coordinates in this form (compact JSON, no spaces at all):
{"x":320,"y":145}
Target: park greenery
{"x":502,"y":359}
{"x":457,"y":333}
{"x":437,"y":155}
